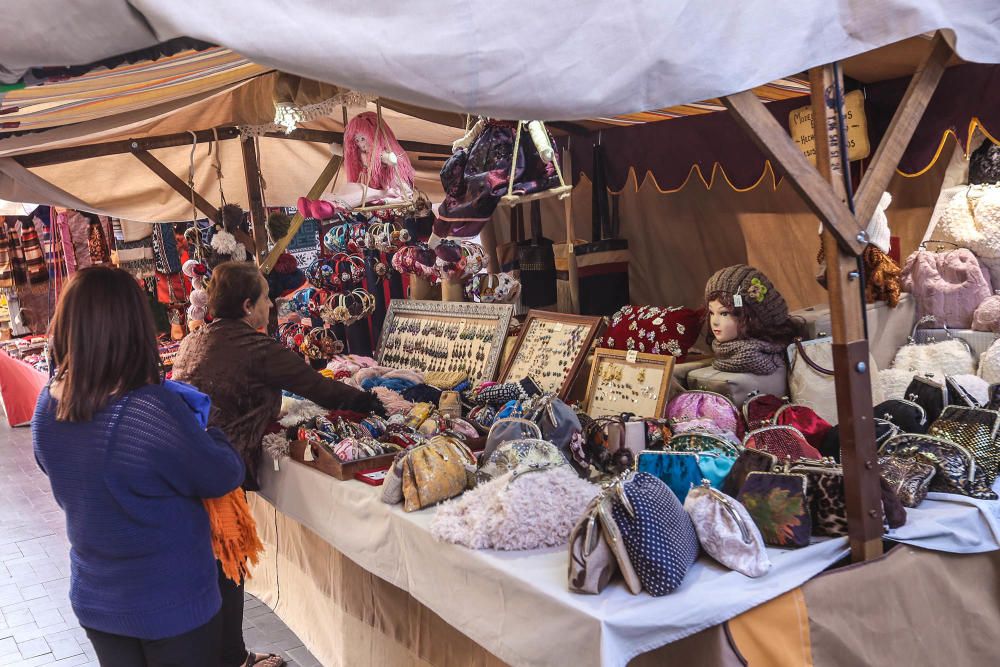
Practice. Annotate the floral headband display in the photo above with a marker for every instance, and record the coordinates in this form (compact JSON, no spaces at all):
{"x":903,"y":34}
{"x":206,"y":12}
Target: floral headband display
{"x":493,"y":288}
{"x":459,"y":261}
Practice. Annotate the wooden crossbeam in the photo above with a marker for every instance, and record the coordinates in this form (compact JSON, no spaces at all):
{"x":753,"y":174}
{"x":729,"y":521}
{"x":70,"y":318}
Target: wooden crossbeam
{"x":76,"y":153}
{"x":904,"y":122}
{"x":815,"y":191}
{"x":258,"y":216}
{"x":171,"y":179}
{"x":329,"y":171}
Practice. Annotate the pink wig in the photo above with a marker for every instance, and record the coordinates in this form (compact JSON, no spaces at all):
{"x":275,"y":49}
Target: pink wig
{"x":382,"y":177}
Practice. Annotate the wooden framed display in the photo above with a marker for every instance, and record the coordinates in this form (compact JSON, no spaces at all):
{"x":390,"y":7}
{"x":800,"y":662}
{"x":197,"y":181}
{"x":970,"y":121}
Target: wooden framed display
{"x":628,"y":381}
{"x":550,"y":350}
{"x":445,"y":336}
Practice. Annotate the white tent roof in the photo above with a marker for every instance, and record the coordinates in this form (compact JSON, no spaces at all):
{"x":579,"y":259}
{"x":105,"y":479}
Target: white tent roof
{"x":560,"y":59}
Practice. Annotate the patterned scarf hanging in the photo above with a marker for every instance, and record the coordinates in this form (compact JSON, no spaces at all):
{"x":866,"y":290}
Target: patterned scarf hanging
{"x":34,"y":259}
{"x":6,"y":259}
{"x":97,"y":241}
{"x":165,"y":249}
{"x":135,"y":256}
{"x":17,"y":261}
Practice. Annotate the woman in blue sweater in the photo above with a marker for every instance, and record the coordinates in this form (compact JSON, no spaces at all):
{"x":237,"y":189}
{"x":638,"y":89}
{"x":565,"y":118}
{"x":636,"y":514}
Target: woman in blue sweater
{"x":129,"y":465}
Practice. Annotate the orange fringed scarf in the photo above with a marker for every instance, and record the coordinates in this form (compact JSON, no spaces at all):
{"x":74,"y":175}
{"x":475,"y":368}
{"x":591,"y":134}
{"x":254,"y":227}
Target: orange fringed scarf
{"x":234,"y":533}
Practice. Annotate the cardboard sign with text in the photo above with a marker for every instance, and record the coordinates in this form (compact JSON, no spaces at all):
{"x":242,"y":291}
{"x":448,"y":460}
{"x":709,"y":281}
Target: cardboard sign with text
{"x":800,"y":124}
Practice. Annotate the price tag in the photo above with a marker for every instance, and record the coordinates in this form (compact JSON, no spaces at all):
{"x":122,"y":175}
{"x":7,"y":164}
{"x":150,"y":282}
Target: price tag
{"x":275,"y":465}
{"x":308,"y":456}
{"x":632,"y":356}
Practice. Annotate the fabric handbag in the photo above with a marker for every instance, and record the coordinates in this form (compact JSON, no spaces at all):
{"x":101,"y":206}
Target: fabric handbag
{"x":694,"y":406}
{"x":929,"y":394}
{"x":726,"y":531}
{"x":537,"y":262}
{"x":778,"y":503}
{"x":592,"y":563}
{"x":947,"y":357}
{"x":976,"y":430}
{"x":560,"y":426}
{"x":759,"y":410}
{"x":784,"y":442}
{"x":599,"y":519}
{"x":435,"y":471}
{"x":909,"y":478}
{"x":671,"y":330}
{"x":680,"y":471}
{"x":805,"y":420}
{"x":810,"y":380}
{"x":749,"y":460}
{"x":946,"y":285}
{"x":658,"y":534}
{"x":827,"y":500}
{"x":830,"y":447}
{"x":907,"y":415}
{"x":519,"y":455}
{"x":505,"y":430}
{"x":522,"y":509}
{"x":954,"y":465}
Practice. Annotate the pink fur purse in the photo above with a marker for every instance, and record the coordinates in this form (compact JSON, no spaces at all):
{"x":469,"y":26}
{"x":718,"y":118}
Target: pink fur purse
{"x":947,"y":285}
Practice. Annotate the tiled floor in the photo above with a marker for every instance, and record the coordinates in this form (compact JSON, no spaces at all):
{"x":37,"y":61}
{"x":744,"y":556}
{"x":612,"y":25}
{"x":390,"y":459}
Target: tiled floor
{"x":37,"y":625}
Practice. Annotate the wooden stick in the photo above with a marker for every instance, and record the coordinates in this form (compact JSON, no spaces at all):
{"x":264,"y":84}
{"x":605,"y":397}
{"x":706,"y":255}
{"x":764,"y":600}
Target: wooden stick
{"x":329,"y":171}
{"x":904,"y":122}
{"x":850,"y":347}
{"x":816,"y":192}
{"x":75,"y":153}
{"x":171,"y":179}
{"x":258,"y":216}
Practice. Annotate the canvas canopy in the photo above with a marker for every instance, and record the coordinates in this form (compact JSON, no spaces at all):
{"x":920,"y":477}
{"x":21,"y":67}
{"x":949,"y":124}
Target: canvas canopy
{"x":563,"y":59}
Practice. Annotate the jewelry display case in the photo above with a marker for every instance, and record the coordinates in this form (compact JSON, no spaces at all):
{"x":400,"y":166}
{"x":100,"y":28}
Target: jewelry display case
{"x":551,"y":349}
{"x":445,"y":337}
{"x":628,"y":381}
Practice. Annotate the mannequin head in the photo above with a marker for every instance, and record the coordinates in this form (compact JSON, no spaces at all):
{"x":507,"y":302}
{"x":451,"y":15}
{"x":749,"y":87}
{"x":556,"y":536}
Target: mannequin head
{"x":763,"y":313}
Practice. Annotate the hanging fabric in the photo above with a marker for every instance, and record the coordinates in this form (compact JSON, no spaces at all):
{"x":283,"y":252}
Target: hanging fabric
{"x":538,"y":265}
{"x":165,"y":249}
{"x":35,"y":268}
{"x":6,"y":258}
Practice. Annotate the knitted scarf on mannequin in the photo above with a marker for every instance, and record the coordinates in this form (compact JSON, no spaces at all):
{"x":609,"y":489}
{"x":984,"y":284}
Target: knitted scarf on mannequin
{"x":748,"y":355}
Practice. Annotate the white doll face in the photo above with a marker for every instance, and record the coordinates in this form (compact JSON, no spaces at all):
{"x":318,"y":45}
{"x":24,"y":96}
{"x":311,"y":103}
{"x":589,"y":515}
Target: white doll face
{"x":361,"y":141}
{"x":722,"y":320}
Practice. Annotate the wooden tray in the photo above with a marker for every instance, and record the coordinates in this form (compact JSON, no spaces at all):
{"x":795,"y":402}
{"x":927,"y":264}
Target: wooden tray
{"x":332,"y":466}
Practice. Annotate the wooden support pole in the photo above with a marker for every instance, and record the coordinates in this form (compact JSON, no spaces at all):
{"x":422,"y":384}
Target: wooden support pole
{"x":904,"y":122}
{"x":171,"y":179}
{"x":850,"y":347}
{"x":258,"y":216}
{"x":75,"y":153}
{"x":816,"y":192}
{"x":329,"y":171}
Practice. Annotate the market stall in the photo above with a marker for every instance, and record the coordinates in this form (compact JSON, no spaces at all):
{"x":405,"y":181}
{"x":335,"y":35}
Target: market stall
{"x":364,"y":580}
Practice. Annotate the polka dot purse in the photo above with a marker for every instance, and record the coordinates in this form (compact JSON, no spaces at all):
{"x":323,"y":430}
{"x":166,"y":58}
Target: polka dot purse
{"x":658,"y":534}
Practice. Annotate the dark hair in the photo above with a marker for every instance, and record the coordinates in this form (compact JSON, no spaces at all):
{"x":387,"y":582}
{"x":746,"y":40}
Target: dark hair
{"x":233,"y":283}
{"x":103,"y":341}
{"x":749,"y":325}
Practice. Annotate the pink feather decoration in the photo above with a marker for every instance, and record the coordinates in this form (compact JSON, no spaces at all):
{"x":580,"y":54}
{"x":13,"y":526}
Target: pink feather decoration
{"x":394,"y":403}
{"x":383,"y":176}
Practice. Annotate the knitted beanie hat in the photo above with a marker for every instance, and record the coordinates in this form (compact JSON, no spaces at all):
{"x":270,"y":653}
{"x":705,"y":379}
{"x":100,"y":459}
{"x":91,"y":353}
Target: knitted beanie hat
{"x":756,"y":291}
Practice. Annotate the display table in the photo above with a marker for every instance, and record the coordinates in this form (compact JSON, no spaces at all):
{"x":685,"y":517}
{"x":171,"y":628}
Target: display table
{"x":514,"y":605}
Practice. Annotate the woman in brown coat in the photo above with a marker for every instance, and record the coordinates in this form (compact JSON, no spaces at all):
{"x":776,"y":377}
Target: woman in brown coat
{"x":243,"y":371}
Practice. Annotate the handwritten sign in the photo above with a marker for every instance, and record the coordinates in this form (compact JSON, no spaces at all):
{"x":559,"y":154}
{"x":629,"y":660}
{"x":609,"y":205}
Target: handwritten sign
{"x":800,"y":124}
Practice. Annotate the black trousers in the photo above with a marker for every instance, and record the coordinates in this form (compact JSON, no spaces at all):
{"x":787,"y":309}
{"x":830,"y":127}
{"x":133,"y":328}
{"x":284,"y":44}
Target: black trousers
{"x":197,"y":648}
{"x":234,"y":651}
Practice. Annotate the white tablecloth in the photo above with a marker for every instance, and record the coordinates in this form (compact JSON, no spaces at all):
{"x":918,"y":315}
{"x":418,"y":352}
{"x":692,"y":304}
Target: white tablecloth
{"x":516,"y":604}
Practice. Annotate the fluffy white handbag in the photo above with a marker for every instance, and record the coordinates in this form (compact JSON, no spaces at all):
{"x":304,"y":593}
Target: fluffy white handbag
{"x":726,"y":531}
{"x":972,"y":220}
{"x":947,"y":357}
{"x":810,"y":380}
{"x":894,"y":382}
{"x":523,"y":509}
{"x":989,"y":364}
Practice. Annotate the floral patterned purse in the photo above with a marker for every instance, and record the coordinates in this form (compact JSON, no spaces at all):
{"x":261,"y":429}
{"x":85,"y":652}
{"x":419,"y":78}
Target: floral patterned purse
{"x":910,"y":479}
{"x":778,"y":503}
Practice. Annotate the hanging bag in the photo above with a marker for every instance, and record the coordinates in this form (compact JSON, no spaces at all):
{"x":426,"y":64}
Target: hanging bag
{"x":811,"y":383}
{"x":537,"y":262}
{"x":947,"y":285}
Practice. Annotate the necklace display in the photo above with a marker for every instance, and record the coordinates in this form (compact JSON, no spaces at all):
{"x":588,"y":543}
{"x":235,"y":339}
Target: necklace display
{"x":438,"y":346}
{"x":626,"y":388}
{"x":547,"y":353}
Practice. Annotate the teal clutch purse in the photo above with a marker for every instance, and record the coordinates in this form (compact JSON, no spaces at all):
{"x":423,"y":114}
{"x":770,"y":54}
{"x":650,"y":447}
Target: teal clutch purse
{"x":680,"y":471}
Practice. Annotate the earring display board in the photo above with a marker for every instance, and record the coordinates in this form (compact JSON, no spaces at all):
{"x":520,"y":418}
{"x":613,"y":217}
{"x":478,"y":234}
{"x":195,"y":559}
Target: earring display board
{"x":550,"y":350}
{"x":628,"y":381}
{"x":445,"y":337}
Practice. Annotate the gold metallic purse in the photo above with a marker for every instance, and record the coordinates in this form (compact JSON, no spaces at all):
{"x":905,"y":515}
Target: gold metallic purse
{"x":435,"y":472}
{"x":975,"y":429}
{"x":909,"y":478}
